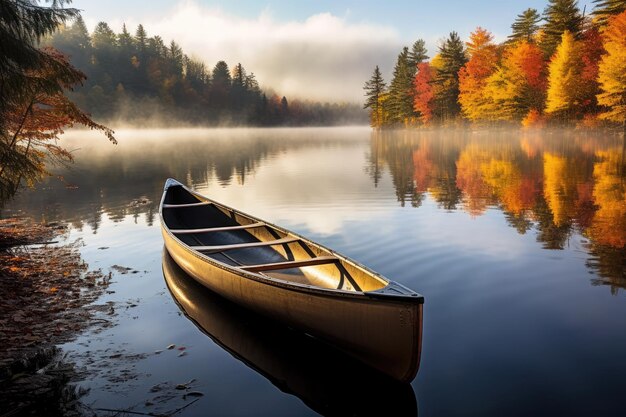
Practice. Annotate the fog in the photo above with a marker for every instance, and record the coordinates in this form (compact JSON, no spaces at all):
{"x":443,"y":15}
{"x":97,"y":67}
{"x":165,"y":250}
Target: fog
{"x":321,"y":58}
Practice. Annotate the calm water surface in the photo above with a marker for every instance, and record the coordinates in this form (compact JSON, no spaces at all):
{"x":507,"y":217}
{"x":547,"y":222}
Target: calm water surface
{"x":517,"y":241}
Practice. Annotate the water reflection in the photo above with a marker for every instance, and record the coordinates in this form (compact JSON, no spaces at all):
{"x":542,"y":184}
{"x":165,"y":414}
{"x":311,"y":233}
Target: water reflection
{"x":556,"y":185}
{"x":326,"y":380}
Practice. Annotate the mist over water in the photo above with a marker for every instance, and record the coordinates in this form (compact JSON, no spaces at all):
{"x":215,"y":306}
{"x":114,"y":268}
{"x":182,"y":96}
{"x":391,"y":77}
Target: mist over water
{"x":516,"y":240}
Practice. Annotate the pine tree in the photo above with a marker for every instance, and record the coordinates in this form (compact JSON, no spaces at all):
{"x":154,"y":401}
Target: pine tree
{"x":417,"y":55}
{"x":525,"y":26}
{"x":606,"y":8}
{"x":451,"y":60}
{"x":612,"y":70}
{"x":560,"y":16}
{"x":141,"y":39}
{"x":564,"y":78}
{"x":401,"y":90}
{"x":374,"y":88}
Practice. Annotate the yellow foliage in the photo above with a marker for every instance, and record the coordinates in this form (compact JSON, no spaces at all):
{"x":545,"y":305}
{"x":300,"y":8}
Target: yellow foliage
{"x":609,"y":194}
{"x":612,"y":69}
{"x":564,"y":76}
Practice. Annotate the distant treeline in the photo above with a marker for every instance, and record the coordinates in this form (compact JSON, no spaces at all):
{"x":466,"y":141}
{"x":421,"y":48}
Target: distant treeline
{"x":557,"y":67}
{"x":140,"y":78}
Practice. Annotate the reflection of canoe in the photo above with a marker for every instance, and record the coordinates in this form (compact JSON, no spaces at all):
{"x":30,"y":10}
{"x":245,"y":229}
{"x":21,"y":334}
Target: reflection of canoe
{"x":289,"y":278}
{"x":325,"y":379}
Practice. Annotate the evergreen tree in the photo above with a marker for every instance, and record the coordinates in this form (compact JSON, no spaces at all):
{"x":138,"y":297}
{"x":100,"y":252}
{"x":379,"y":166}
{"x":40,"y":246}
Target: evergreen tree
{"x":605,"y":8}
{"x":176,"y":57}
{"x":417,"y":55}
{"x":238,"y":88}
{"x":141,"y":40}
{"x":221,"y":76}
{"x":560,"y":16}
{"x":125,"y":41}
{"x":451,"y":59}
{"x":525,"y":26}
{"x":374,"y":88}
{"x":401,"y":89}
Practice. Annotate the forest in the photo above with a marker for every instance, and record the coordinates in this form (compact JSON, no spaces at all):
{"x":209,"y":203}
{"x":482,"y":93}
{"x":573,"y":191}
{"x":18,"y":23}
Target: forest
{"x":141,"y":79}
{"x":558,"y":67}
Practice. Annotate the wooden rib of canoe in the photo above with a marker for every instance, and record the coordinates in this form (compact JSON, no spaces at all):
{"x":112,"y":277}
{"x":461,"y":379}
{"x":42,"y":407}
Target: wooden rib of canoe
{"x":289,"y":278}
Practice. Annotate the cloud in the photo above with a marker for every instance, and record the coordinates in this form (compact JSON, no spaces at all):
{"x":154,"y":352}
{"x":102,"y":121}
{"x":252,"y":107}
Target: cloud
{"x":323,"y":57}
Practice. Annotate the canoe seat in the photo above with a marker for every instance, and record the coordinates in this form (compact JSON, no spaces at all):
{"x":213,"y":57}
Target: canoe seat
{"x":222,"y":248}
{"x":217,"y":229}
{"x":290,"y":264}
{"x":201,"y":203}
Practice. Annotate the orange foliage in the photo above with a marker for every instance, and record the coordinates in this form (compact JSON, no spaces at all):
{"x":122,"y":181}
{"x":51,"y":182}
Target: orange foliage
{"x":422,"y":167}
{"x":473,"y":75}
{"x":424,"y":94}
{"x":533,"y":119}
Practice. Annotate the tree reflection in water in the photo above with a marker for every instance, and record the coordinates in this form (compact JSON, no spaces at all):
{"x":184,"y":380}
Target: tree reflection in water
{"x":555,"y":184}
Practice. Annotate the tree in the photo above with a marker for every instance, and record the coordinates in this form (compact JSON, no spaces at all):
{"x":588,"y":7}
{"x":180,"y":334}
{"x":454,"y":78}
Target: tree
{"x":33,"y":107}
{"x":517,"y":87}
{"x":446,"y":78}
{"x":374,"y":88}
{"x":473,"y":75}
{"x":141,"y":39}
{"x":612,"y":70}
{"x":525,"y":26}
{"x":400,"y":89}
{"x":417,"y":55}
{"x":564,"y":78}
{"x":606,"y":8}
{"x":591,"y":51}
{"x":560,"y":16}
{"x":423,"y":101}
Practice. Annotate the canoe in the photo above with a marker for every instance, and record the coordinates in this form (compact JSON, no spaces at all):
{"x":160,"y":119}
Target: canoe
{"x":296,"y":281}
{"x":325,"y":379}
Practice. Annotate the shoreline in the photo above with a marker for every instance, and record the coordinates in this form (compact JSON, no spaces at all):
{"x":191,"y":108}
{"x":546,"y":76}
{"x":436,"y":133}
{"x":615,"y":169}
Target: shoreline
{"x":48,"y":299}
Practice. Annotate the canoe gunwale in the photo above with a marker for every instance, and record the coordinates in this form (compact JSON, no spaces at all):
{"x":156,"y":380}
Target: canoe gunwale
{"x":407,"y":295}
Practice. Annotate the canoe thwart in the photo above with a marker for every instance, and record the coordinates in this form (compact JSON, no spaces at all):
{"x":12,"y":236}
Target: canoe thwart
{"x":221,"y":248}
{"x":201,"y":203}
{"x":217,"y":229}
{"x":290,"y":264}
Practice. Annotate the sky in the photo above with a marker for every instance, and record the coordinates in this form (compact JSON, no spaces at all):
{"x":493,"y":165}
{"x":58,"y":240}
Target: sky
{"x":310,"y":49}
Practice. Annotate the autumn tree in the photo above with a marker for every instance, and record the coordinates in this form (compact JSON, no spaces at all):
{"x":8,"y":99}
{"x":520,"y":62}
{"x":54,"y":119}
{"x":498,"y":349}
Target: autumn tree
{"x":374,"y":88}
{"x":563,"y":96}
{"x":525,"y":26}
{"x":423,"y":97}
{"x":451,"y":59}
{"x":606,"y":8}
{"x":33,"y":107}
{"x":612,"y":70}
{"x":560,"y":16}
{"x":518,"y":85}
{"x":473,"y":75}
{"x":591,"y":51}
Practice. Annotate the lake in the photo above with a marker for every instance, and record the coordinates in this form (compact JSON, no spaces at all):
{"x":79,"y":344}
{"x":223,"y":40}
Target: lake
{"x":516,"y":240}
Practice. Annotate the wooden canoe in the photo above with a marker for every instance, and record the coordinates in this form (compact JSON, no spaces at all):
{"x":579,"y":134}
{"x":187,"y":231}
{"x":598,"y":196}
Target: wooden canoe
{"x":325,"y":379}
{"x":289,"y":278}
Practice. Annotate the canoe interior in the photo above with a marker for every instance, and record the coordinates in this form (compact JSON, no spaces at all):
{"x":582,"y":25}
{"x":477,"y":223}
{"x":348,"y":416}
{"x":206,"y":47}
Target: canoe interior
{"x":335,"y":275}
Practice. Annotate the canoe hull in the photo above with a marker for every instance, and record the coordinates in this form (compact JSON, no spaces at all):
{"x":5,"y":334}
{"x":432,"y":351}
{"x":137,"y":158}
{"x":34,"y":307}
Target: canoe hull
{"x":383,"y":332}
